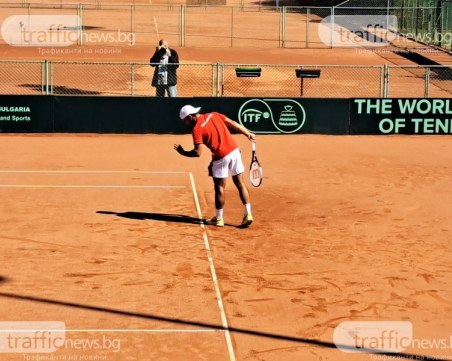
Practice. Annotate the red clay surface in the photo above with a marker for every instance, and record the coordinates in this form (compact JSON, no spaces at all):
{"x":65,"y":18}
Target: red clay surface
{"x":346,"y":228}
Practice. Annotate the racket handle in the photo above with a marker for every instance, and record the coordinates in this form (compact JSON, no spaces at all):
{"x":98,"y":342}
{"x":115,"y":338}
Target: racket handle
{"x":253,"y":145}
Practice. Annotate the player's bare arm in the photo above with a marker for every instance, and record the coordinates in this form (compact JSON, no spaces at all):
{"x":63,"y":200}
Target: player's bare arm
{"x":240,"y":129}
{"x":195,"y":152}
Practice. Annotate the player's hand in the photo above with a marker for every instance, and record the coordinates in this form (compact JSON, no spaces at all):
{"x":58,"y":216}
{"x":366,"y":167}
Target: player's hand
{"x":178,"y":148}
{"x":252,"y":137}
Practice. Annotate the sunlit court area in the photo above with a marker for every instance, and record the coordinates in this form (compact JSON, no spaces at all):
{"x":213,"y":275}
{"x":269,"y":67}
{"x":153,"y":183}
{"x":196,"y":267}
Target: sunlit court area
{"x":107,"y":246}
{"x":111,"y":243}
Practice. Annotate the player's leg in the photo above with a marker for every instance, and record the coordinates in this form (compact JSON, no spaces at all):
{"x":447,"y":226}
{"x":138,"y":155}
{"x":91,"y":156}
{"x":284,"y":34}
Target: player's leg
{"x":245,"y":197}
{"x":220,"y":186}
{"x":237,"y":170}
{"x":242,"y":188}
{"x":218,"y":170}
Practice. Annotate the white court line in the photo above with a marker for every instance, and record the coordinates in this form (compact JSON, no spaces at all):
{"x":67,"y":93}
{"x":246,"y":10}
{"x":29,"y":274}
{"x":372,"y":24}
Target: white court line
{"x":224,"y":321}
{"x":23,"y":171}
{"x":89,"y":171}
{"x":10,"y":171}
{"x":81,"y":186}
{"x":107,"y":330}
{"x":175,"y":330}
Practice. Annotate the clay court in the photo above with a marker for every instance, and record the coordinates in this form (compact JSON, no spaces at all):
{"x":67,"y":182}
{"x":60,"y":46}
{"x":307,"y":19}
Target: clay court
{"x":105,"y":233}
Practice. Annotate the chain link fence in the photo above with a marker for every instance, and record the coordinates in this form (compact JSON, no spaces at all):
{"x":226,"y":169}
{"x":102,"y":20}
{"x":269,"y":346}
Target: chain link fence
{"x":424,"y":21}
{"x":23,"y":77}
{"x":224,"y":80}
{"x":429,"y":22}
{"x":114,"y":25}
{"x":200,"y":23}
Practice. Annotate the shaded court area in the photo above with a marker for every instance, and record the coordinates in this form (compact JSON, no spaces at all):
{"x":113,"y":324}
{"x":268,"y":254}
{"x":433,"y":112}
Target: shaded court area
{"x":103,"y":233}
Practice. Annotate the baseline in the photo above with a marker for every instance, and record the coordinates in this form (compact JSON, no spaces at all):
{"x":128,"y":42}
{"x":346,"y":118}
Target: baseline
{"x":42,"y":171}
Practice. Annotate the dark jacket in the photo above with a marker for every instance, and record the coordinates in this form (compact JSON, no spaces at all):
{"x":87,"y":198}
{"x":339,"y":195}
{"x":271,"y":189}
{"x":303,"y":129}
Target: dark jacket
{"x":173,"y":59}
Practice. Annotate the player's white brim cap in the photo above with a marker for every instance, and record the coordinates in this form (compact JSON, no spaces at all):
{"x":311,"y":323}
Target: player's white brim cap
{"x":188,"y":110}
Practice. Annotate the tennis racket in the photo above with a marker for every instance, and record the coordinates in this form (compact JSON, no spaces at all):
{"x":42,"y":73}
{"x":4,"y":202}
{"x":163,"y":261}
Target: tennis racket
{"x":256,"y":173}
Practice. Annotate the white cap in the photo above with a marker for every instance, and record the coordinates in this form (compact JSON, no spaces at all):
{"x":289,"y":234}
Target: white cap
{"x":188,"y":110}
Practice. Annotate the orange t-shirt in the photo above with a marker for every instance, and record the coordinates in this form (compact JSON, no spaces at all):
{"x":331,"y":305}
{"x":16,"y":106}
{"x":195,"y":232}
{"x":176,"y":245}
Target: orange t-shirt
{"x":211,"y":130}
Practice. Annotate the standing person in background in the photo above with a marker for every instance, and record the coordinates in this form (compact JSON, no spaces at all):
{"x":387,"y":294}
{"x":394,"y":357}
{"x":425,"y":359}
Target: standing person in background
{"x":165,"y":61}
{"x":211,"y":129}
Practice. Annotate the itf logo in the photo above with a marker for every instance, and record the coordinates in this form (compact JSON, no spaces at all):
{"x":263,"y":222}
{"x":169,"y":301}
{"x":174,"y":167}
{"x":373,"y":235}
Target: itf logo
{"x":272,"y":115}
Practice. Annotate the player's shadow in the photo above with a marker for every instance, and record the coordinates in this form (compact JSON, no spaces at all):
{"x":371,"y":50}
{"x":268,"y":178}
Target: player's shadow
{"x":185,"y":322}
{"x":163,"y":217}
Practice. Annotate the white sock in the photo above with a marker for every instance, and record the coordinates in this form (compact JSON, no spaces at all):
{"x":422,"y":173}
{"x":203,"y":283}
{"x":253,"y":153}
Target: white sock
{"x":247,"y":208}
{"x":220,"y":213}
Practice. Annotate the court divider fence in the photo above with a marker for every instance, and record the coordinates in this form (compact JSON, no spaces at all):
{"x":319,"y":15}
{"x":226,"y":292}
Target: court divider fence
{"x":98,"y":114}
{"x":224,"y":80}
{"x":119,"y":23}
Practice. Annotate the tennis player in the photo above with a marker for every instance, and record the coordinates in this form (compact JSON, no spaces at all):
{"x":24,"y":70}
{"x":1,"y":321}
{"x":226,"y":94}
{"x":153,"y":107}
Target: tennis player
{"x":212,"y":130}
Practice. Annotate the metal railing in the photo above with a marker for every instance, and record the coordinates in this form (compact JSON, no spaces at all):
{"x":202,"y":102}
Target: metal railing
{"x":221,"y":80}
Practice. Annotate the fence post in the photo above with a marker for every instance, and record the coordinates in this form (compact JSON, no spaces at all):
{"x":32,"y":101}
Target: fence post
{"x":51,"y":78}
{"x":218,"y":85}
{"x":427,"y":82}
{"x":182,"y":26}
{"x":387,"y":16}
{"x":46,"y":73}
{"x":332,"y":28}
{"x":132,"y":7}
{"x":308,"y":20}
{"x":381,"y":80}
{"x":48,"y":70}
{"x":385,"y":81}
{"x":212,"y":75}
{"x":282,"y":27}
{"x":232,"y":26}
{"x":80,"y":24}
{"x":401,"y":18}
{"x":43,"y":77}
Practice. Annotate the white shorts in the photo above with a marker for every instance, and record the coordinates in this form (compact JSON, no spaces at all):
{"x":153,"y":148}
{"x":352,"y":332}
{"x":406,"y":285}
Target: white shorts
{"x":231,"y":163}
